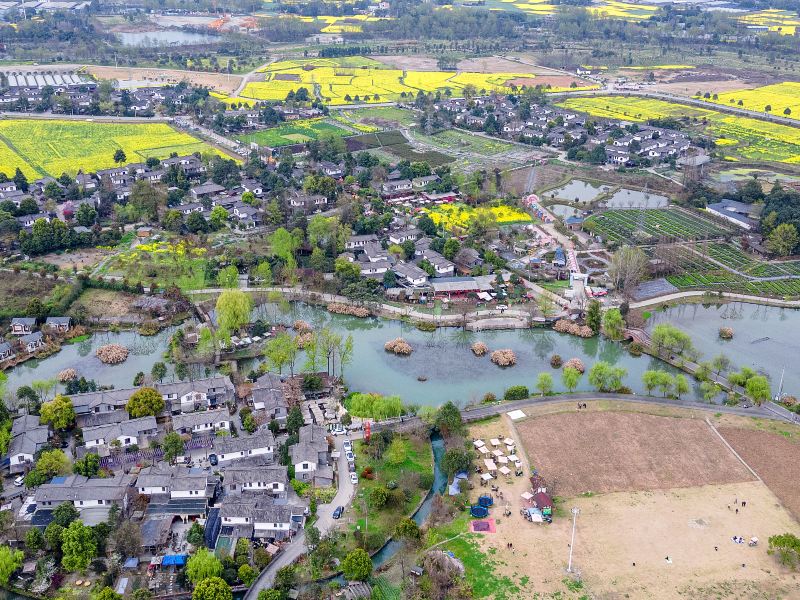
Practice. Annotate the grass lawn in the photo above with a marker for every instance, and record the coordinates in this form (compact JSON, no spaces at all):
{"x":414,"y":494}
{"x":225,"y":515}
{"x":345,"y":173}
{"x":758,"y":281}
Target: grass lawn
{"x":51,"y":147}
{"x":406,"y":474}
{"x":380,"y":115}
{"x":162,"y":264}
{"x":295,"y":132}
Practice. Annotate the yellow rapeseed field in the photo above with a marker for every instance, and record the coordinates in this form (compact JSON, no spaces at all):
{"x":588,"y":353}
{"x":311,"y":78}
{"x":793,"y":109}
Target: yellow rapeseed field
{"x":782,"y":99}
{"x":784,"y":22}
{"x":458,"y":216}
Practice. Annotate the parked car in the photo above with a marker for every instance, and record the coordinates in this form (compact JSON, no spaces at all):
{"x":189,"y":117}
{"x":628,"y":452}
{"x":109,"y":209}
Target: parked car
{"x":183,"y":460}
{"x":337,"y":429}
{"x":353,"y":478}
{"x":350,"y":457}
{"x":347,"y":446}
{"x":212,"y":458}
{"x":19,"y":481}
{"x":338,"y":512}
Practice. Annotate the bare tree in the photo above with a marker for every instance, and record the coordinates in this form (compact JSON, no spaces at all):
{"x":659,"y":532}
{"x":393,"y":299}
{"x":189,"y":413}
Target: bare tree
{"x":629,"y":266}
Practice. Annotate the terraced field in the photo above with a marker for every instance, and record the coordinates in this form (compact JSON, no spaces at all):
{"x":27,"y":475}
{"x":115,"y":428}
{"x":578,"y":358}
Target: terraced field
{"x":650,"y":224}
{"x":750,"y":138}
{"x":53,"y":147}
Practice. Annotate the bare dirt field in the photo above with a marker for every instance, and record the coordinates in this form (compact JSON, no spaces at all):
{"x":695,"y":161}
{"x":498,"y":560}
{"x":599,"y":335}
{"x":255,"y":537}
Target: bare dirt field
{"x":690,"y":88}
{"x":85,"y":257}
{"x":603,"y":452}
{"x":412,"y":63}
{"x":105,"y":303}
{"x":616,"y":530}
{"x":774,"y":457}
{"x":556,"y":81}
{"x":217,"y":81}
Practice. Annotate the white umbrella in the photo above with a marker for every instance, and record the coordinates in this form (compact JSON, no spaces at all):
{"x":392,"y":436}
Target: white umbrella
{"x":486,"y":477}
{"x":495,"y":442}
{"x":490,"y":464}
{"x":497,"y":452}
{"x":478,"y":443}
{"x":510,"y":449}
{"x":513,"y":458}
{"x":508,"y":442}
{"x":527,"y":496}
{"x":505,"y":470}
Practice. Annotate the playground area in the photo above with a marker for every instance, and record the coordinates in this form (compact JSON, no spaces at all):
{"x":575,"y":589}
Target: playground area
{"x":623,"y":539}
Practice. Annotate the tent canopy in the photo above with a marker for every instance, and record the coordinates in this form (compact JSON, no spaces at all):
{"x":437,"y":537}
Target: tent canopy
{"x":177,"y":560}
{"x":527,"y":495}
{"x":483,"y":450}
{"x":505,"y":470}
{"x":495,"y":442}
{"x":486,"y":477}
{"x":478,"y":443}
{"x":508,"y":442}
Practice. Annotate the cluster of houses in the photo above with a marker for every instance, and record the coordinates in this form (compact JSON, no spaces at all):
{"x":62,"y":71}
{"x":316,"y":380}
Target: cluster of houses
{"x":232,"y":483}
{"x":557,"y":127}
{"x":27,"y":339}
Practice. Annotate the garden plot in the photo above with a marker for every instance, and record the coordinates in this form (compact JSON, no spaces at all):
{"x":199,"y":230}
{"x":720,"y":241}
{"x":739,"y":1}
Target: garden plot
{"x":295,"y":132}
{"x":626,"y":225}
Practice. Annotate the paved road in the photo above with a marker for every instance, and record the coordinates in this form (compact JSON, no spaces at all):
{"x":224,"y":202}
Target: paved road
{"x":325,"y":523}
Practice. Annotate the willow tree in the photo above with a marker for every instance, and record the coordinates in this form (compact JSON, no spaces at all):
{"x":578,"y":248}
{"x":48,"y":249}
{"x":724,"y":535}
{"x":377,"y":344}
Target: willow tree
{"x":233,"y":311}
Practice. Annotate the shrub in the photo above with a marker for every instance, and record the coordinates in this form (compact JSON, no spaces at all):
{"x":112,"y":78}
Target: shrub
{"x":426,"y":326}
{"x":636,"y":348}
{"x":726,"y":333}
{"x":556,"y":361}
{"x":575,"y":363}
{"x":112,"y":354}
{"x":479,"y":349}
{"x":517,"y":392}
{"x":564,"y":326}
{"x":301,"y":326}
{"x":346,"y":309}
{"x":398,"y":346}
{"x":504,"y":358}
{"x":67,"y":375}
{"x":489,"y":398}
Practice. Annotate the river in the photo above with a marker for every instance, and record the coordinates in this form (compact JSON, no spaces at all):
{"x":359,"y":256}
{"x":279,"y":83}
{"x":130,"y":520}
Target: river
{"x":765,"y":337}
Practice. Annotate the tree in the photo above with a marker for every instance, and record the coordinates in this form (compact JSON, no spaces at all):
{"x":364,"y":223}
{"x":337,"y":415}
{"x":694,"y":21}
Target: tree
{"x":357,"y":565}
{"x":606,"y":378}
{"x":53,"y":535}
{"x":128,"y":538}
{"x":783,"y":239}
{"x":570,"y":377}
{"x":159,"y":371}
{"x":456,"y":460}
{"x":681,"y":385}
{"x":145,"y":402}
{"x":294,"y":420}
{"x":451,"y":248}
{"x":313,"y":536}
{"x":650,"y":380}
{"x":613,"y":324}
{"x":279,"y":350}
{"x":247,"y":574}
{"x":263,"y":273}
{"x":119,"y":156}
{"x":757,"y":388}
{"x":720,"y":363}
{"x":52,"y":463}
{"x":58,"y":412}
{"x":544,"y":383}
{"x":196,"y":223}
{"x":407,"y":529}
{"x":787,"y":548}
{"x":670,"y":338}
{"x":142,"y":594}
{"x":629,"y":267}
{"x":203,"y":565}
{"x":213,"y":588}
{"x":195,"y":535}
{"x":448,"y":419}
{"x":233,"y":311}
{"x":86,"y":215}
{"x":217,"y":218}
{"x":64,"y":514}
{"x":34,"y":539}
{"x":710,"y":390}
{"x":228,"y":277}
{"x":285,"y":578}
{"x":79,"y":547}
{"x":426,"y":225}
{"x":270,"y":595}
{"x":172,"y":446}
{"x":10,"y":561}
{"x":594,"y":316}
{"x":108,"y":593}
{"x":397,"y":452}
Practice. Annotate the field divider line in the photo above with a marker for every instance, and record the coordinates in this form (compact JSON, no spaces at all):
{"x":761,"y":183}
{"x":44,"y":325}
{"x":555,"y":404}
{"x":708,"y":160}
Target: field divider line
{"x":736,"y":454}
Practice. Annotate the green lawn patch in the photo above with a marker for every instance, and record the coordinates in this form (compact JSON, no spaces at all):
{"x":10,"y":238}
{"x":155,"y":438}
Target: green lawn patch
{"x":294,"y":132}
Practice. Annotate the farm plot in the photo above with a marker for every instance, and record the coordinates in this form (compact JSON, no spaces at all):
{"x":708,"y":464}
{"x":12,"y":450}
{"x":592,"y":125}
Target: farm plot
{"x":336,"y":81}
{"x":784,"y":22}
{"x":650,"y":224}
{"x":779,"y":97}
{"x":295,"y":132}
{"x":750,"y":138}
{"x":53,"y":147}
{"x":586,"y":452}
{"x":395,"y":144}
{"x":466,"y":142}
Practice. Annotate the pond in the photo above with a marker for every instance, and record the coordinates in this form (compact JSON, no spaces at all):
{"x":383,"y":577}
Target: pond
{"x":577,"y":191}
{"x":766,"y":338}
{"x":444,"y":358}
{"x":625,"y":198}
{"x":149,"y":39}
{"x":564,"y":210}
{"x":144,"y":351}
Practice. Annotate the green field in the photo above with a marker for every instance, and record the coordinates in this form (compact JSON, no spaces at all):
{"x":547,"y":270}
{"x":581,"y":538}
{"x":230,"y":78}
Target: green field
{"x":53,"y":147}
{"x":394,"y":144}
{"x":466,"y":142}
{"x":752,"y":139}
{"x":380,"y":116}
{"x":650,"y":224}
{"x":295,"y":132}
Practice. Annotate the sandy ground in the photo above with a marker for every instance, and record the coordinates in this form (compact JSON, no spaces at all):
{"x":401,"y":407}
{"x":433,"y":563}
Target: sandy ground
{"x":594,"y":451}
{"x":617,"y":529}
{"x":218,"y":81}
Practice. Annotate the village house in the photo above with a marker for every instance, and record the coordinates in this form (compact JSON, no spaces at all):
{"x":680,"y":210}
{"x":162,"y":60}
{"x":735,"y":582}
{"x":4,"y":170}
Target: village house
{"x":85,"y":493}
{"x":28,"y":437}
{"x":374,"y":269}
{"x":262,"y":520}
{"x":188,"y":396}
{"x":59,"y":324}
{"x":272,"y":480}
{"x":6,"y":351}
{"x":411,"y":274}
{"x":22,"y":325}
{"x":175,"y":482}
{"x":311,"y":457}
{"x":399,"y":185}
{"x":261,"y":443}
{"x":268,"y":399}
{"x":32,"y":342}
{"x":104,"y":401}
{"x":206,"y":190}
{"x":404,"y":235}
{"x":204,"y":421}
{"x":133,"y":432}
{"x":467,"y":259}
{"x":356,"y":242}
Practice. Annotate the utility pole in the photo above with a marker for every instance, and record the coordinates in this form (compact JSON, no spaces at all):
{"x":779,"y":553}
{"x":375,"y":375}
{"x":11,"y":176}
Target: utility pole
{"x":575,"y":512}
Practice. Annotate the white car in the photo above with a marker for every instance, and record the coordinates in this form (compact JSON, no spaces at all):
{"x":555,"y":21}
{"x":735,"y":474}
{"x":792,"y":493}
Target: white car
{"x":337,"y":429}
{"x":19,"y":481}
{"x":353,"y":478}
{"x":347,"y":446}
{"x":350,"y":457}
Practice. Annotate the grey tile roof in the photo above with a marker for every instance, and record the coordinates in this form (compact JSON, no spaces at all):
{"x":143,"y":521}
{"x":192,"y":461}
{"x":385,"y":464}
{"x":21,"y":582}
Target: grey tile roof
{"x":132,"y":427}
{"x":247,"y":474}
{"x":243,"y":443}
{"x":78,"y":487}
{"x":190,"y":420}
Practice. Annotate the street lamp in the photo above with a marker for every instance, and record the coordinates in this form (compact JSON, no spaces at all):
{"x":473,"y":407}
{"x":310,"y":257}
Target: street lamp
{"x":575,"y":512}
